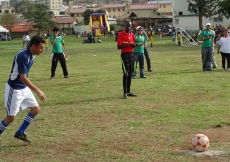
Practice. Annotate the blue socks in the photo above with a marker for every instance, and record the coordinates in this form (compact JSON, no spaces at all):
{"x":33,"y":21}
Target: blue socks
{"x":28,"y":119}
{"x":3,"y":126}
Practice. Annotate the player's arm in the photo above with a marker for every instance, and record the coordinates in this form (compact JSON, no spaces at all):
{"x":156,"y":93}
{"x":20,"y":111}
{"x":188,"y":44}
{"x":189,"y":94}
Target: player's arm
{"x":54,"y":39}
{"x":206,"y":38}
{"x":28,"y":83}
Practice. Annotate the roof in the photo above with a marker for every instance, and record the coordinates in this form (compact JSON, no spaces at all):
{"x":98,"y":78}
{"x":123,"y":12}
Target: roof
{"x":140,"y":14}
{"x":159,"y":2}
{"x":22,"y":28}
{"x":64,"y":20}
{"x":113,"y":5}
{"x":142,"y":7}
{"x":80,"y":10}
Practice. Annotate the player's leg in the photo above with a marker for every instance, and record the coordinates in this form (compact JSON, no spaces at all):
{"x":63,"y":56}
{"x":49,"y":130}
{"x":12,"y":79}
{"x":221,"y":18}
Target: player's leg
{"x":125,"y":66}
{"x":12,"y":102}
{"x":28,"y":102}
{"x":54,"y":64}
{"x":141,"y":64}
{"x":62,"y":61}
{"x":135,"y":65}
{"x":129,"y":79}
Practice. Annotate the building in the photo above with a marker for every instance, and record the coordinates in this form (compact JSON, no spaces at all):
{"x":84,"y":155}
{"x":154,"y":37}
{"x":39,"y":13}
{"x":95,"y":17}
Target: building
{"x":113,"y":10}
{"x":64,"y":21}
{"x":6,"y":7}
{"x":164,"y":7}
{"x":190,"y":21}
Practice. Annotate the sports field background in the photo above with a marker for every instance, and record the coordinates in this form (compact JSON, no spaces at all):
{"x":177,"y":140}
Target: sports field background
{"x":86,"y":120}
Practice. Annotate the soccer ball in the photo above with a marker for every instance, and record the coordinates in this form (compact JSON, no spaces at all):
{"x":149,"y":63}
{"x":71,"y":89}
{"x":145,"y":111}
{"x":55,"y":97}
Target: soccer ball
{"x":200,"y":142}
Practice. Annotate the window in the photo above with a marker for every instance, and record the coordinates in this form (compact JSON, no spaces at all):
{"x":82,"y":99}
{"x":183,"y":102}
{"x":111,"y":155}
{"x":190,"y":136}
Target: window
{"x":123,"y":8}
{"x":118,"y":9}
{"x":69,"y":25}
{"x":72,"y":15}
{"x":180,"y":13}
{"x":217,"y":19}
{"x":114,"y":10}
{"x":164,"y":6}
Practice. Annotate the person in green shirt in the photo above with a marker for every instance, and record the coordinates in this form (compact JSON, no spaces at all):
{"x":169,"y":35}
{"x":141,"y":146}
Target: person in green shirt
{"x":59,"y":54}
{"x":207,"y":36}
{"x":139,"y":52}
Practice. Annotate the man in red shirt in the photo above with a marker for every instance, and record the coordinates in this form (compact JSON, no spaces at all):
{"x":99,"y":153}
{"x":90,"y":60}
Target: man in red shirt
{"x":126,"y":42}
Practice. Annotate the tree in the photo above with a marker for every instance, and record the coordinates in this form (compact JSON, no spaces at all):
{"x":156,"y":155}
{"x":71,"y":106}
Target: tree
{"x":86,"y":15}
{"x":224,"y":7}
{"x":9,"y":20}
{"x":100,"y":11}
{"x":24,"y":7}
{"x":41,"y":6}
{"x":202,"y":8}
{"x":40,"y":19}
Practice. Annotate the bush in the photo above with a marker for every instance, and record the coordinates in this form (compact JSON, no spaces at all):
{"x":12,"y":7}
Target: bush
{"x":112,"y":27}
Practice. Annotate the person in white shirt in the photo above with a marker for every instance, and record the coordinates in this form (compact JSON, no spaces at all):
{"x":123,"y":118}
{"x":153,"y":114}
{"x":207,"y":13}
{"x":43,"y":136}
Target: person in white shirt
{"x":27,"y":39}
{"x":224,"y":49}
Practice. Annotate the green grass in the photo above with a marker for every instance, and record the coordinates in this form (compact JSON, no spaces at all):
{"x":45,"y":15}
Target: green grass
{"x":85,"y":119}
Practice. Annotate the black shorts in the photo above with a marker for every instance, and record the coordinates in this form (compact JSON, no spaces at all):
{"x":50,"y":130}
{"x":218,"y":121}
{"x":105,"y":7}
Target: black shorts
{"x":127,"y":61}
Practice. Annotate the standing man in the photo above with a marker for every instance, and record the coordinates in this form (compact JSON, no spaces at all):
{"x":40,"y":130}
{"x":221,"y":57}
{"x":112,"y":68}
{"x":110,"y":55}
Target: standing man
{"x":58,"y":53}
{"x":125,"y":42}
{"x":140,"y":41}
{"x":146,"y":53}
{"x":207,"y":51}
{"x":18,"y":89}
{"x":27,"y":39}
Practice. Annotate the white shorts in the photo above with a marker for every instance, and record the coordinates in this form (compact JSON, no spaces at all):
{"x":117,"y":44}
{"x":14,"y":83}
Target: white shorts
{"x":16,"y":98}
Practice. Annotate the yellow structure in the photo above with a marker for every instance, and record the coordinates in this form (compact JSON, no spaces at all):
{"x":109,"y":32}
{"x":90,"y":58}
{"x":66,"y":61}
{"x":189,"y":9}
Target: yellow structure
{"x":98,"y":24}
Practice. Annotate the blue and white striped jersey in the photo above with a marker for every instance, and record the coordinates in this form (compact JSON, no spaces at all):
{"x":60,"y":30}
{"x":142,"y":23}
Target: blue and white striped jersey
{"x":22,"y":64}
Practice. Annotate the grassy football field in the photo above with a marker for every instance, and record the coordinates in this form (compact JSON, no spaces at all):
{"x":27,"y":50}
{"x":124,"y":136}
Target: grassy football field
{"x":85,"y":118}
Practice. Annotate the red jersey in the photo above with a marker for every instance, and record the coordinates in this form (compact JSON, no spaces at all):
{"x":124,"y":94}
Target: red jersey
{"x":126,"y":38}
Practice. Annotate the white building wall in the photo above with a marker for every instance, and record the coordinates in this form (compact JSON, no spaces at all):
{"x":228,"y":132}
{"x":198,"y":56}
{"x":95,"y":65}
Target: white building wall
{"x":187,"y":21}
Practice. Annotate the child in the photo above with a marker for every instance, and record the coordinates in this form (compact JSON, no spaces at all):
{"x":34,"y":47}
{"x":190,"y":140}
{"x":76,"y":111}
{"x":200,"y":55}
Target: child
{"x":151,"y":37}
{"x":178,"y":38}
{"x":161,"y":34}
{"x":46,"y":43}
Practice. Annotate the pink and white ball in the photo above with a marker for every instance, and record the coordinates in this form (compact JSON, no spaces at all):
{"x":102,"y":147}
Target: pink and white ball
{"x":200,"y":142}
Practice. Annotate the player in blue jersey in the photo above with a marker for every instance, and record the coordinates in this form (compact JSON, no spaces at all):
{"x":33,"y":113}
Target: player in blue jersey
{"x":18,"y":88}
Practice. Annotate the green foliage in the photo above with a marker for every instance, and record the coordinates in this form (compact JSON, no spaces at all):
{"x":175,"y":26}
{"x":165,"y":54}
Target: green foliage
{"x":41,"y":6}
{"x":100,"y":11}
{"x":205,"y":8}
{"x":112,"y":27}
{"x":40,"y":19}
{"x":9,"y":20}
{"x":80,"y":23}
{"x":86,"y":15}
{"x":24,"y":7}
{"x":62,"y":12}
{"x":224,"y":7}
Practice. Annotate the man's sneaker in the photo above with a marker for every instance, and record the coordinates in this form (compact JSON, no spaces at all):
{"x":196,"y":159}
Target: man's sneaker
{"x":22,"y":137}
{"x":125,"y":96}
{"x":150,"y":70}
{"x":131,"y":94}
{"x":51,"y":78}
{"x":66,"y":76}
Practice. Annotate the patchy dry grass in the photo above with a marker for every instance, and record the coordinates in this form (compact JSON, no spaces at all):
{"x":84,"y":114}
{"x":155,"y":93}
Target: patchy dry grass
{"x":85,"y":119}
